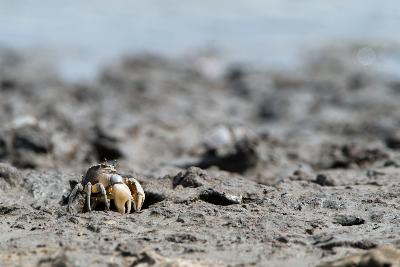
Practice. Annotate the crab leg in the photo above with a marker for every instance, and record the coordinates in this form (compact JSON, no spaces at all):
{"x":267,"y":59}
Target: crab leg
{"x":88,"y":189}
{"x":102,"y":189}
{"x":137,"y":193}
{"x":74,"y":191}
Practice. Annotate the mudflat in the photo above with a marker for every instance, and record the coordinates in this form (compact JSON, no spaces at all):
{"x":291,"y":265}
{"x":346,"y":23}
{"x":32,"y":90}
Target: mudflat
{"x":240,"y":166}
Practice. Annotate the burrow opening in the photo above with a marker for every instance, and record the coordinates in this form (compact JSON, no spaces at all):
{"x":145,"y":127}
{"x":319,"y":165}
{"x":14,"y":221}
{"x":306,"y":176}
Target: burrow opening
{"x":151,"y":199}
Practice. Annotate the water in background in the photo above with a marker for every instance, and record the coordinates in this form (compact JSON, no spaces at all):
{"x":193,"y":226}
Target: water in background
{"x":82,"y":35}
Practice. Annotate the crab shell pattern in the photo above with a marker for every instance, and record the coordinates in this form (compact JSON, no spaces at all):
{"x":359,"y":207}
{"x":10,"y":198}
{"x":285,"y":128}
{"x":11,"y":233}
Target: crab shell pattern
{"x":105,"y":183}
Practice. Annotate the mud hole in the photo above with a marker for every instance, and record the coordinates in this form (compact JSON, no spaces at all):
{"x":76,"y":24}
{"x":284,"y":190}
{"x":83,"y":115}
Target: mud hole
{"x":250,"y":168}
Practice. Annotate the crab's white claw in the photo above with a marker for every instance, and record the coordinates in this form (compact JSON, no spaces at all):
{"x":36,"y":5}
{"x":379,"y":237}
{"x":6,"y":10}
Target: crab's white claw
{"x":122,"y":197}
{"x":137,"y":192}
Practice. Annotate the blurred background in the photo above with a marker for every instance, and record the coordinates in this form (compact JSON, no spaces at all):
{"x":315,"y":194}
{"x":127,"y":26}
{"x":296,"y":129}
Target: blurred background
{"x":152,"y":82}
{"x":289,"y":107}
{"x":83,"y":35}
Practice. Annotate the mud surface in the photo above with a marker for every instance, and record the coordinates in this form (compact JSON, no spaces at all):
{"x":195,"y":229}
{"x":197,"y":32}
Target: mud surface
{"x":293,"y":169}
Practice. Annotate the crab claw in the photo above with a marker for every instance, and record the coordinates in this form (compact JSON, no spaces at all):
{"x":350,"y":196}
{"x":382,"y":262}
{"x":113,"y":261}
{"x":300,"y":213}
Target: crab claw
{"x":122,"y":197}
{"x":137,"y":192}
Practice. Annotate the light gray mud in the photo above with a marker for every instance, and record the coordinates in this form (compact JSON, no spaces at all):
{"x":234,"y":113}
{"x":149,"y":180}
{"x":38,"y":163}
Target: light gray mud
{"x":297,"y":168}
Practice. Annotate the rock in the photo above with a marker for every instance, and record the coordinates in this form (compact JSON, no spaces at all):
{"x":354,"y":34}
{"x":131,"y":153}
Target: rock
{"x":192,"y":177}
{"x":380,"y":257}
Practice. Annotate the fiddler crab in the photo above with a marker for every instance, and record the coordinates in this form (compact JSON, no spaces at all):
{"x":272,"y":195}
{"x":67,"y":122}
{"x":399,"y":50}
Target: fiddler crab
{"x":103,"y":181}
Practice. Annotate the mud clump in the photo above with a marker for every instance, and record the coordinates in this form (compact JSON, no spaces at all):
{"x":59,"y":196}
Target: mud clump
{"x":351,"y":156}
{"x":192,"y":177}
{"x":9,"y":175}
{"x":219,"y":198}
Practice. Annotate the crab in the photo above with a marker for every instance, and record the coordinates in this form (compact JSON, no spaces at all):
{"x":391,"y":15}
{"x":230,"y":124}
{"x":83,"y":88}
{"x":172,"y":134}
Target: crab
{"x":103,"y":181}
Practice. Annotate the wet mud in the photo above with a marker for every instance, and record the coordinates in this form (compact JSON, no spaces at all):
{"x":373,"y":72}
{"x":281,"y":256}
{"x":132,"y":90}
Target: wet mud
{"x":248,"y":168}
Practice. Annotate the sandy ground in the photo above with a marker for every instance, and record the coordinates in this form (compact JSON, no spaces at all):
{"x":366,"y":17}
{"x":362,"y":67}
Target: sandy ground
{"x":293,"y":169}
